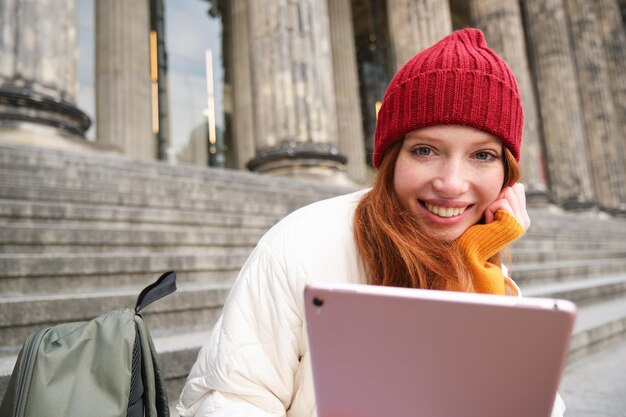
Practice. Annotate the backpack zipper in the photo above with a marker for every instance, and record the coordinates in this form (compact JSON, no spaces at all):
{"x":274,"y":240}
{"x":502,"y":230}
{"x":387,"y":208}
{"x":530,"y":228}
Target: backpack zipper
{"x":32,"y":345}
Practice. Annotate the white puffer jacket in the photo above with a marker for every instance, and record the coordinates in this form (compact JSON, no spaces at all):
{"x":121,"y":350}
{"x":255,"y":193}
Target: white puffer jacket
{"x":256,"y":362}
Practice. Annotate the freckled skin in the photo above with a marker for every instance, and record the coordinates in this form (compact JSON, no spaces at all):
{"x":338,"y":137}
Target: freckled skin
{"x":449,"y":166}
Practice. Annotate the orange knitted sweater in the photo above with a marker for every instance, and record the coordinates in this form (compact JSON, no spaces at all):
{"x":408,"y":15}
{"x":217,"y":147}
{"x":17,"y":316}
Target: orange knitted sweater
{"x":480,"y":242}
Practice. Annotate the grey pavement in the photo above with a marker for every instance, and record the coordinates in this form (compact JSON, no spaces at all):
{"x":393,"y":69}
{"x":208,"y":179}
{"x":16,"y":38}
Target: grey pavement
{"x":594,"y":385}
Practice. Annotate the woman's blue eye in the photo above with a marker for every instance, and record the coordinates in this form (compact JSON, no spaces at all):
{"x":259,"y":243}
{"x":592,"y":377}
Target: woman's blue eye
{"x":422,"y":151}
{"x":484,"y":156}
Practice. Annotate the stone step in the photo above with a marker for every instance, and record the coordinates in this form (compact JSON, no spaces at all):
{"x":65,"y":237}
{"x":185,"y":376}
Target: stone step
{"x":65,"y":169}
{"x":16,"y":155}
{"x":70,"y":236}
{"x":563,"y":220}
{"x":193,"y":203}
{"x":18,"y":211}
{"x":25,"y":270}
{"x":49,"y":249}
{"x":547,"y":215}
{"x":72,"y":162}
{"x":528,"y":274}
{"x":583,"y":230}
{"x":17,"y":265}
{"x":85,"y":283}
{"x":52,"y":273}
{"x":22,"y":310}
{"x":101,"y":245}
{"x":177,"y":354}
{"x":560,"y":254}
{"x":530,"y":243}
{"x":557,"y":227}
{"x":190,"y":305}
{"x":104,"y":174}
{"x":594,"y":227}
{"x":598,"y":322}
{"x":203,"y":200}
{"x":98,"y":216}
{"x":581,"y":292}
{"x":182,"y":188}
{"x":51,"y":270}
{"x":66,"y":234}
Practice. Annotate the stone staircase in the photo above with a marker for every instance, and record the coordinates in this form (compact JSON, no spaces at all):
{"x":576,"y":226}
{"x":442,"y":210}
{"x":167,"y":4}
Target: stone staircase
{"x":82,"y":234}
{"x":580,"y":257}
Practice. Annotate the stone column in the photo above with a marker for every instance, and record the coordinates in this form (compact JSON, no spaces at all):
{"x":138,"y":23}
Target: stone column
{"x":603,"y":149}
{"x":123,"y":90}
{"x":38,"y":47}
{"x":294,"y":107}
{"x":501,"y":22}
{"x":349,"y":119}
{"x":415,"y":25}
{"x":243,"y":123}
{"x":559,"y":103}
{"x":613,"y":33}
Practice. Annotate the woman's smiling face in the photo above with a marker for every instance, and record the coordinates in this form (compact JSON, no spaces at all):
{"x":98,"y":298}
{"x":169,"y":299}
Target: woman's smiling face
{"x":447,"y":175}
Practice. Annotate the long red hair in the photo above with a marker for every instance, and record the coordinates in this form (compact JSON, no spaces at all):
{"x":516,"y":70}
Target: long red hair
{"x":395,"y":248}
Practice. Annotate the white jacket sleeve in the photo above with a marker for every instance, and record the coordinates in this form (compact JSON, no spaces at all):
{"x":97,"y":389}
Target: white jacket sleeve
{"x":559,"y":407}
{"x":247,"y":367}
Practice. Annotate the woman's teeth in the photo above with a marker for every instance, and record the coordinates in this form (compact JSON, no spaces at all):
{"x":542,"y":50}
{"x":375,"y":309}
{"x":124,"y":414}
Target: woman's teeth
{"x":445,"y":211}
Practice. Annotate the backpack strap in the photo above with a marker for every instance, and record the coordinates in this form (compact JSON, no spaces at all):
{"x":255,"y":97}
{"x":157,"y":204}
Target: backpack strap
{"x":165,"y":285}
{"x":155,"y":396}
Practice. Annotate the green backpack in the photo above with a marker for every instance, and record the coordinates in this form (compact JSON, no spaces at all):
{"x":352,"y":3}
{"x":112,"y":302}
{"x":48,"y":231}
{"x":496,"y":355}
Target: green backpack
{"x":106,"y":367}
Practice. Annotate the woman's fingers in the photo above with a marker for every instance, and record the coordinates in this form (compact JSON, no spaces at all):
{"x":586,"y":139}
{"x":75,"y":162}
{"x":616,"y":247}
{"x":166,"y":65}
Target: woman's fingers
{"x":523,"y":216}
{"x":513,"y":200}
{"x":512,"y":195}
{"x":499,"y":204}
{"x":517,"y":198}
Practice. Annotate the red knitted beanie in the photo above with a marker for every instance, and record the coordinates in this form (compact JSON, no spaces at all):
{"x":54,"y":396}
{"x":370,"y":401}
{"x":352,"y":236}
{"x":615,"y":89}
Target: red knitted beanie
{"x":458,"y":80}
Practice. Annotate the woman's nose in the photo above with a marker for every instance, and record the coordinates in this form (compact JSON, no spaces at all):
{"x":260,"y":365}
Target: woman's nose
{"x":451,"y":180}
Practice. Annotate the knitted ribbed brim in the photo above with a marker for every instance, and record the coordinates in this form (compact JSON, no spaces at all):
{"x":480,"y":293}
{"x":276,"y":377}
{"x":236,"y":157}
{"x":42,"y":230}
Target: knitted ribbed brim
{"x":459,"y":80}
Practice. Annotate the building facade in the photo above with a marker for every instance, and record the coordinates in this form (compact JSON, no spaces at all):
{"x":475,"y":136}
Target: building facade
{"x":292,"y":87}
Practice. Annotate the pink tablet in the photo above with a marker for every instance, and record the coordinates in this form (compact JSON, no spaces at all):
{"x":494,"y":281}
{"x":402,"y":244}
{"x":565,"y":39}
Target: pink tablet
{"x":382,"y":351}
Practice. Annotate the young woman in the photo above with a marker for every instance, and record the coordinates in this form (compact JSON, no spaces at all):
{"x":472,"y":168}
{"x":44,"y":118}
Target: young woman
{"x":443,"y":205}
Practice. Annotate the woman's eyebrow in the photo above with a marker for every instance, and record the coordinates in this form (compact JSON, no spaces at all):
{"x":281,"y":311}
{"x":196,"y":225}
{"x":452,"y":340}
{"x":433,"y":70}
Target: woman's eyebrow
{"x":423,"y":137}
{"x":487,"y":141}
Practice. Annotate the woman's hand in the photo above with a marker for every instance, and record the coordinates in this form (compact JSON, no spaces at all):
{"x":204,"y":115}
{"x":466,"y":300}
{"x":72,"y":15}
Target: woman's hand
{"x":512,"y":200}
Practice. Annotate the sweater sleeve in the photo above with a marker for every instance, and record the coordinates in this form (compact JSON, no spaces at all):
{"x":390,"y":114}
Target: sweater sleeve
{"x":480,"y":242}
{"x":247,"y":367}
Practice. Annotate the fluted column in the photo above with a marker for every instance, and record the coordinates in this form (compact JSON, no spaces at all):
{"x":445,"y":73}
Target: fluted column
{"x":123,"y":90}
{"x":604,"y":151}
{"x":294,"y":106}
{"x":346,"y":81}
{"x":613,"y":33}
{"x":415,"y":25}
{"x":559,"y":103}
{"x":501,"y":22}
{"x":243,"y":123}
{"x":38,"y":50}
